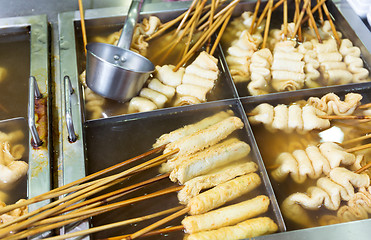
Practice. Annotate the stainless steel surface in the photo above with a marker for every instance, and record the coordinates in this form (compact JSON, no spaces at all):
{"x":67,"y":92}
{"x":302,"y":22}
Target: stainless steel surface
{"x":130,"y":22}
{"x":39,"y":175}
{"x":69,"y":121}
{"x":116,"y":72}
{"x":72,"y":152}
{"x":110,"y":141}
{"x":34,"y":92}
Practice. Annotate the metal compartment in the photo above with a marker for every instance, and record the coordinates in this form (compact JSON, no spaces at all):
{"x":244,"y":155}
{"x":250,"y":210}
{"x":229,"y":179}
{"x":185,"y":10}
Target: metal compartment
{"x":340,"y":21}
{"x":72,"y":164}
{"x":267,"y":140}
{"x":25,"y":46}
{"x":102,"y":23}
{"x":110,"y":141}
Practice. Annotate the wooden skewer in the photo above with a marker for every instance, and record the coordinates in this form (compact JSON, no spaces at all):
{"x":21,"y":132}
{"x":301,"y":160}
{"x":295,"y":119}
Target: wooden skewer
{"x":82,"y":20}
{"x":318,"y":6}
{"x":285,"y":19}
{"x":298,"y":22}
{"x":151,"y":233}
{"x":363,"y":106}
{"x":81,"y":215}
{"x":106,"y":208}
{"x":159,"y":223}
{"x":270,"y":3}
{"x":296,"y":17}
{"x":254,"y":16}
{"x":219,"y":14}
{"x":122,"y":223}
{"x":193,"y":28}
{"x":261,"y":17}
{"x":115,"y":194}
{"x":169,"y":24}
{"x":356,"y":139}
{"x":313,"y":25}
{"x":206,"y":16}
{"x":55,"y":203}
{"x":365,"y":167}
{"x":203,"y":38}
{"x":75,"y":197}
{"x":3,"y":108}
{"x":222,"y":29}
{"x":211,"y":17}
{"x":343,"y":117}
{"x":198,"y":10}
{"x":358,"y":148}
{"x":320,"y":14}
{"x":331,"y":24}
{"x":193,"y":4}
{"x":52,"y":193}
{"x":279,"y":3}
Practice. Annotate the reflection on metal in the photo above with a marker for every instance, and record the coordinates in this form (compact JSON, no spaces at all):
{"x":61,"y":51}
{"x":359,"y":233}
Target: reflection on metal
{"x":74,"y":155}
{"x":34,"y":92}
{"x":72,"y":137}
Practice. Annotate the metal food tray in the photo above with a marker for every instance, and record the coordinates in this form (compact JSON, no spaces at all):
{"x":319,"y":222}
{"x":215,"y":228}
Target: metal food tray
{"x":340,"y":19}
{"x":90,"y":150}
{"x":110,"y":141}
{"x":37,"y":65}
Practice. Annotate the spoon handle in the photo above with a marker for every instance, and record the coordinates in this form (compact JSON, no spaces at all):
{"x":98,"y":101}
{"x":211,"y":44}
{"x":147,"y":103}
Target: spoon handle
{"x":131,"y":20}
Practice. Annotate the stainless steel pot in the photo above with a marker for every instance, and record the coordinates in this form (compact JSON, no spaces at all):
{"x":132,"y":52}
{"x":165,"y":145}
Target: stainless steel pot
{"x":115,"y":72}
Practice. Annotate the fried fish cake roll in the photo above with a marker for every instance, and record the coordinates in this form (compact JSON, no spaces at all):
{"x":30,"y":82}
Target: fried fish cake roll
{"x":223,"y":193}
{"x":191,"y":128}
{"x":193,"y":90}
{"x":194,"y":186}
{"x":178,"y":161}
{"x":156,"y":85}
{"x":210,"y":159}
{"x":206,"y":137}
{"x":311,"y":119}
{"x":226,"y":216}
{"x":156,"y":97}
{"x":140,"y":104}
{"x":185,"y":101}
{"x":263,"y":113}
{"x":246,"y":229}
{"x":168,"y":77}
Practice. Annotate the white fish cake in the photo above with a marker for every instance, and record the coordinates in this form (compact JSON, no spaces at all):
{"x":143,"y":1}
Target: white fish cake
{"x":193,"y":90}
{"x":206,"y":137}
{"x":208,"y":160}
{"x":247,"y":229}
{"x":223,"y":193}
{"x":194,"y":186}
{"x":191,"y":128}
{"x":156,"y":97}
{"x":156,"y":85}
{"x":167,"y":76}
{"x":226,"y":216}
{"x":141,"y":104}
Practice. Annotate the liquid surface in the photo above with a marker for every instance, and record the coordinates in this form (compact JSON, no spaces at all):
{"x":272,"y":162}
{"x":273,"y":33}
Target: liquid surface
{"x":15,"y":59}
{"x":111,"y":143}
{"x":271,"y":144}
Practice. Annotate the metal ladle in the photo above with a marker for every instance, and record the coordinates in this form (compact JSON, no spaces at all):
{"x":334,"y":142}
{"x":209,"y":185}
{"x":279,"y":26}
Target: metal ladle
{"x":115,"y":72}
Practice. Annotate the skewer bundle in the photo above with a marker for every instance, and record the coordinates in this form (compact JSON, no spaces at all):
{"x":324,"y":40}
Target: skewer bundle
{"x":306,"y":64}
{"x":195,"y":147}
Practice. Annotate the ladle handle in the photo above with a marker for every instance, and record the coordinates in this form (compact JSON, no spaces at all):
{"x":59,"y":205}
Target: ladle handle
{"x":68,"y":91}
{"x":131,"y":20}
{"x":34,"y":92}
